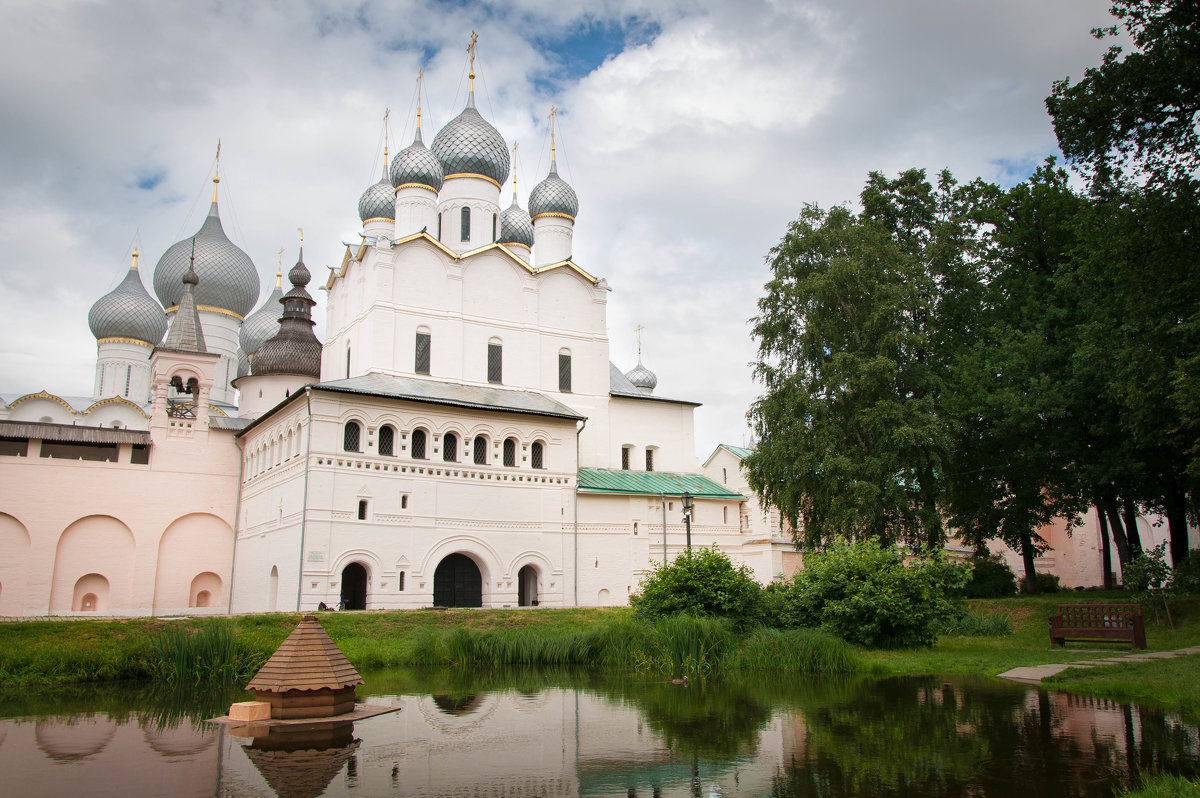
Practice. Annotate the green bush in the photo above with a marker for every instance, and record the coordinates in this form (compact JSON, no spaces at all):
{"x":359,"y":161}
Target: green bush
{"x":1046,"y":583}
{"x":1186,"y":580}
{"x":869,"y":596}
{"x":991,"y":578}
{"x":700,"y":582}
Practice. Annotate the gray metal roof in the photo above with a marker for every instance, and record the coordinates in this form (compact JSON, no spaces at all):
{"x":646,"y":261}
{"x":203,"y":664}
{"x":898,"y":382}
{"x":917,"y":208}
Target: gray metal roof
{"x":228,"y":278}
{"x":69,"y":433}
{"x":262,"y":323}
{"x":416,"y":163}
{"x":642,"y":378}
{"x":186,"y":334}
{"x":553,"y":195}
{"x":475,"y":397}
{"x":620,"y":386}
{"x":515,"y":226}
{"x":378,"y":201}
{"x":468,"y":144}
{"x":128,"y":311}
{"x":295,"y":348}
{"x":229,"y":423}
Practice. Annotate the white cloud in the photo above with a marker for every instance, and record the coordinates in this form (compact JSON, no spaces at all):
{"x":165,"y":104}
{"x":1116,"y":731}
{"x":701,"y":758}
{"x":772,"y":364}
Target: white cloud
{"x":690,"y":152}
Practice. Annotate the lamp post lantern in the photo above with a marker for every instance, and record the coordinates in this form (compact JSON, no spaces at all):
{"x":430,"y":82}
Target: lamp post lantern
{"x":687,"y":517}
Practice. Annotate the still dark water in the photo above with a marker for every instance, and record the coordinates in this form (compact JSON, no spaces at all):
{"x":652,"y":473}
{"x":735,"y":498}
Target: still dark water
{"x":539,"y":734}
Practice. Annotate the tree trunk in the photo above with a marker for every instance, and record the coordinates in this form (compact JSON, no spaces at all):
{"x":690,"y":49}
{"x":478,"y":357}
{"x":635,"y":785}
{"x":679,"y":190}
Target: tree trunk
{"x":1106,"y":547}
{"x":1177,"y":523}
{"x":1027,"y":554}
{"x":1131,"y":529}
{"x":1109,"y":502}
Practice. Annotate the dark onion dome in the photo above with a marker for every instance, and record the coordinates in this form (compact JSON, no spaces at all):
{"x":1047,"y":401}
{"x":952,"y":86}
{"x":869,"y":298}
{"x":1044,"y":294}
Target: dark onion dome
{"x":243,"y":368}
{"x":128,"y":311}
{"x":416,"y":165}
{"x":515,"y":225}
{"x":553,"y":196}
{"x":379,"y":201}
{"x":642,"y":378}
{"x":264,"y":322}
{"x":294,"y":350}
{"x":228,"y":279}
{"x":469,"y":145}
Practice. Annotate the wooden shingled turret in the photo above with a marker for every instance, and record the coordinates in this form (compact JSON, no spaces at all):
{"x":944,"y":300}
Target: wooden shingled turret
{"x":307,"y":677}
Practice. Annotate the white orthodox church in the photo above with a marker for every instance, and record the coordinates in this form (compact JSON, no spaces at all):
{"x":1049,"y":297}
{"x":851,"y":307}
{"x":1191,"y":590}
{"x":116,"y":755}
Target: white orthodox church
{"x":461,"y":437}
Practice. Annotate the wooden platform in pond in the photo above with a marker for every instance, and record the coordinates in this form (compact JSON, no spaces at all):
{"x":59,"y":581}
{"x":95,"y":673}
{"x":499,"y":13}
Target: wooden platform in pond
{"x":361,"y":712}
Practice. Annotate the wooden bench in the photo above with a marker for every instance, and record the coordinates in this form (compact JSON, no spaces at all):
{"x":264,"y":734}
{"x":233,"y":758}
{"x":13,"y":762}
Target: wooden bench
{"x":1098,"y":623}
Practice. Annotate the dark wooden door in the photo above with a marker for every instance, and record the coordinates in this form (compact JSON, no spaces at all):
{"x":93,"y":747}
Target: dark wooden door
{"x":457,"y":583}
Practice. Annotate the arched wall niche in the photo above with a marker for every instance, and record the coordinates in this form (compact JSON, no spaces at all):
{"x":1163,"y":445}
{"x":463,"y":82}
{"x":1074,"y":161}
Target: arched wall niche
{"x":14,"y":542}
{"x":205,"y":591}
{"x":192,"y":546}
{"x":91,"y":594}
{"x":97,"y":545}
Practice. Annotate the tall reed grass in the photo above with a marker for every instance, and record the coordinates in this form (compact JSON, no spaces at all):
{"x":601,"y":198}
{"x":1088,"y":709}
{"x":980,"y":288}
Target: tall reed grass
{"x":210,"y":652}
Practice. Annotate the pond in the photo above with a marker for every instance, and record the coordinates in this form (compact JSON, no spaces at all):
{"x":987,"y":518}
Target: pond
{"x":562,"y":734}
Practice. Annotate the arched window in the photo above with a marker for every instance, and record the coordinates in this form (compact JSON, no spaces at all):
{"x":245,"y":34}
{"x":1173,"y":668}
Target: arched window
{"x":423,"y":349}
{"x":352,"y":437}
{"x":564,"y":370}
{"x":510,"y":452}
{"x":480,"y":450}
{"x":626,"y":454}
{"x":419,"y":439}
{"x":400,"y":582}
{"x":495,"y":363}
{"x":347,"y":361}
{"x":537,"y":455}
{"x":450,"y":447}
{"x":649,"y":459}
{"x":466,"y":223}
{"x":387,"y":440}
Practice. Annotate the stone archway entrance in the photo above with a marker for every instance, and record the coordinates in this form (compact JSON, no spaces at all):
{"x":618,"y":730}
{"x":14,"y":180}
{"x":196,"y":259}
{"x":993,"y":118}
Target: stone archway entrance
{"x":457,"y":583}
{"x":354,"y":587}
{"x":527,"y":592}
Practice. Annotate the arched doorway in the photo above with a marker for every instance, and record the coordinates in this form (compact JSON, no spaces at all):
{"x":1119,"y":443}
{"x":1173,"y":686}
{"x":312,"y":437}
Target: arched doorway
{"x":527,"y":592}
{"x":354,"y":587}
{"x":457,"y":583}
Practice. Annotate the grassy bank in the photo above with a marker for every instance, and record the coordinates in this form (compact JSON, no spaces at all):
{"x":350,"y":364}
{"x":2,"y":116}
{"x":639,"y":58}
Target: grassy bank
{"x":62,"y":652}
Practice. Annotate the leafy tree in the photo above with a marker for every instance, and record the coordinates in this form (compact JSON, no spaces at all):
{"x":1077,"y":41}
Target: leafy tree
{"x":1142,"y":108}
{"x":856,"y":330}
{"x":870,"y":596}
{"x":700,"y":582}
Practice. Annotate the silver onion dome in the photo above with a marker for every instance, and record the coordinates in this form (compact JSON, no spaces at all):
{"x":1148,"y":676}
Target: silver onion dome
{"x":553,"y":195}
{"x":294,"y":350}
{"x":228,"y":279}
{"x":642,"y":378}
{"x":243,"y":368}
{"x":378,"y":201}
{"x":262,"y":323}
{"x":469,"y":145}
{"x":128,"y":311}
{"x":515,"y":225}
{"x":416,"y":164}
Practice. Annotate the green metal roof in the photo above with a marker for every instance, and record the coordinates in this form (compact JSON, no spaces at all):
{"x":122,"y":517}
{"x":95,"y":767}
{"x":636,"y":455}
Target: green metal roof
{"x":738,"y":451}
{"x":651,"y":483}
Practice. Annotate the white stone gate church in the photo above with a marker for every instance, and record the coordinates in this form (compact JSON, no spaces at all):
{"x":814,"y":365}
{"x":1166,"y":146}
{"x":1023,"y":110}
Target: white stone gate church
{"x":460,"y":439}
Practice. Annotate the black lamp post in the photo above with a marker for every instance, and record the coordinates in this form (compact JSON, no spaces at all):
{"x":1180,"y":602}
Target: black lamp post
{"x":687,"y":517}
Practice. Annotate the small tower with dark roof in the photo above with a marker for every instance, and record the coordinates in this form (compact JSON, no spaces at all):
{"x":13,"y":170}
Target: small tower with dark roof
{"x":288,"y":360}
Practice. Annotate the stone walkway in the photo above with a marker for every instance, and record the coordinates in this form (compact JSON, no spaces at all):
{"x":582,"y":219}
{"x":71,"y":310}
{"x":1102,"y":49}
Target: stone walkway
{"x":1033,"y":674}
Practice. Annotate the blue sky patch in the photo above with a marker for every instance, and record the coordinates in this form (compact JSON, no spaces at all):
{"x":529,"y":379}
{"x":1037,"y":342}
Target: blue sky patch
{"x":1010,"y":171}
{"x":148,"y":181}
{"x":577,"y":51}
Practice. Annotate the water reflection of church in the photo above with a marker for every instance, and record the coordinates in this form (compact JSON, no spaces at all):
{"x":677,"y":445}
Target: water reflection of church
{"x":460,"y":438}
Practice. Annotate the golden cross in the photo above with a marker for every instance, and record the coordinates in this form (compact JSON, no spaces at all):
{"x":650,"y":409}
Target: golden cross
{"x":300,"y":230}
{"x":553,"y":114}
{"x":638,"y":330}
{"x":471,"y":50}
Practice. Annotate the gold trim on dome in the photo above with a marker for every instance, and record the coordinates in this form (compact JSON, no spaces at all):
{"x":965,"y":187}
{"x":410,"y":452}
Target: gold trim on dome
{"x":210,"y":309}
{"x":377,"y":219}
{"x":416,"y":185}
{"x":116,"y":400}
{"x":525,"y":247}
{"x":473,"y":174}
{"x":43,"y":394}
{"x":119,"y":340}
{"x":548,"y":213}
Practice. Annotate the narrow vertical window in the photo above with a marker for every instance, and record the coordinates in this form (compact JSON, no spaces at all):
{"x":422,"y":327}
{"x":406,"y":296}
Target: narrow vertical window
{"x":724,"y":476}
{"x":495,"y":364}
{"x":100,"y":390}
{"x":564,"y":372}
{"x":387,"y":440}
{"x":362,"y":509}
{"x":347,"y":362}
{"x":424,"y":344}
{"x":128,"y":378}
{"x":725,"y":515}
{"x":466,"y":223}
{"x":649,"y":459}
{"x":480,"y":447}
{"x":351,"y":436}
{"x":510,"y":452}
{"x":439,"y":227}
{"x":404,"y":501}
{"x":494,"y":232}
{"x":400,"y":582}
{"x":537,"y":455}
{"x":418,"y":444}
{"x":625,"y":450}
{"x":450,"y":447}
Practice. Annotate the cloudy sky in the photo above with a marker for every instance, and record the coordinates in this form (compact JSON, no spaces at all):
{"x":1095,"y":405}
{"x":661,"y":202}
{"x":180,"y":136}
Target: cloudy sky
{"x":692,"y":131}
